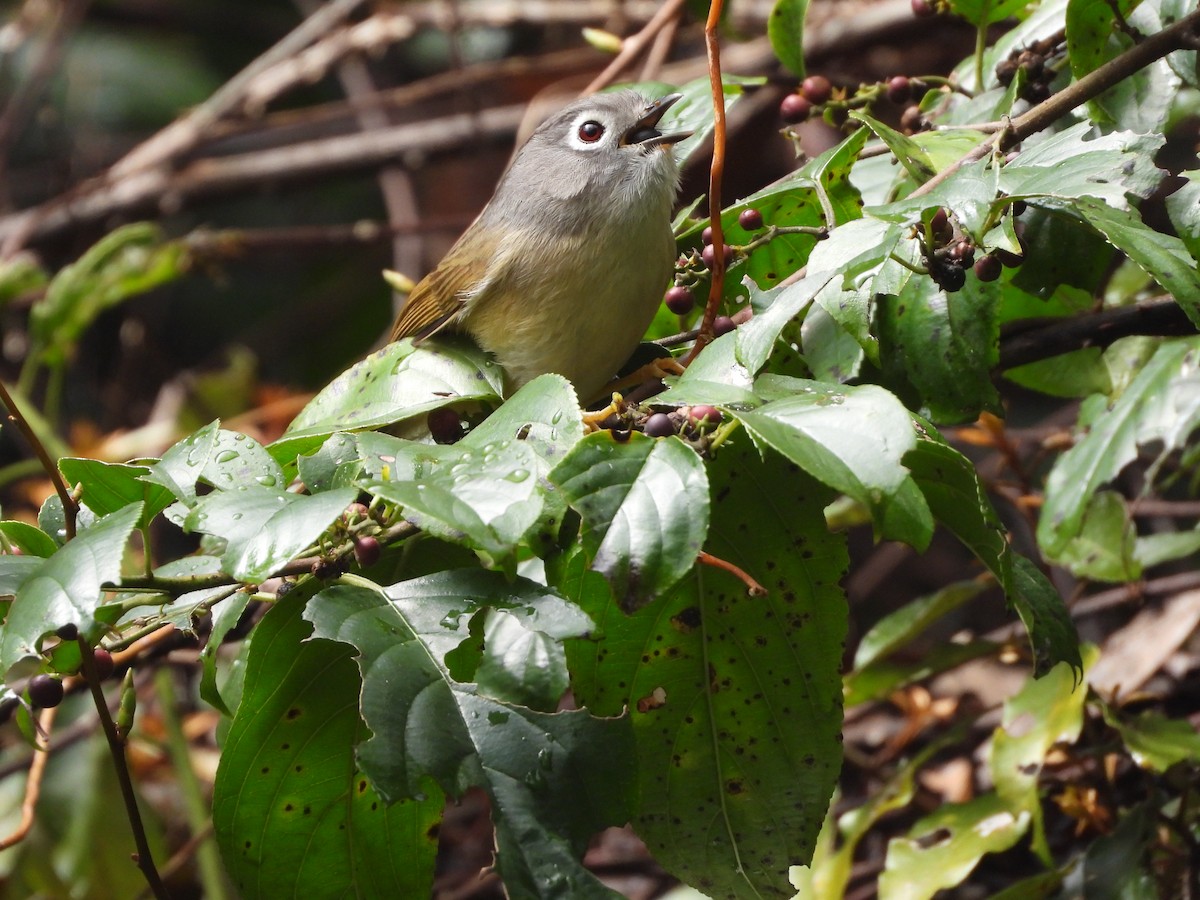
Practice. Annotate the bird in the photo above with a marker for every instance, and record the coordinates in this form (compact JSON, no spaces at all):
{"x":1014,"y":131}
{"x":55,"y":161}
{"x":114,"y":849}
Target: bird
{"x":564,"y":268}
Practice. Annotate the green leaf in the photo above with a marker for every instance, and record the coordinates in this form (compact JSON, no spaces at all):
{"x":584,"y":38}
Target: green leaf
{"x":1114,"y":867}
{"x":488,"y":499}
{"x":224,"y":619}
{"x":943,"y":346}
{"x":900,"y":627}
{"x":236,"y":460}
{"x":183,"y":464}
{"x":644,"y":504}
{"x":736,"y":700}
{"x":785,"y":30}
{"x":850,"y":438}
{"x":67,"y":588}
{"x":128,"y":261}
{"x":1104,"y":549}
{"x":14,"y":572}
{"x":1183,"y":206}
{"x":987,"y":12}
{"x":335,"y":464}
{"x":107,"y":487}
{"x":1163,"y":257}
{"x":957,"y":499}
{"x":30,"y":539}
{"x":907,"y":151}
{"x":544,"y":414}
{"x":520,"y":666}
{"x":291,"y":814}
{"x":554,"y":779}
{"x":265,"y":528}
{"x":391,"y":385}
{"x":1160,"y":404}
{"x":1154,"y":741}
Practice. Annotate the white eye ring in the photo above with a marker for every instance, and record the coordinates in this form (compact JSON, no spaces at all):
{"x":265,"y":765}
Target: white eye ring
{"x":587,"y":132}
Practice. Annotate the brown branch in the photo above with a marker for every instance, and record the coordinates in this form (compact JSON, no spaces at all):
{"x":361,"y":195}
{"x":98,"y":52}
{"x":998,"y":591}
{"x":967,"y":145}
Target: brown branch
{"x":1160,"y":317}
{"x":1178,"y":36}
{"x":70,"y":504}
{"x":633,"y":45}
{"x":33,"y":784}
{"x":716,"y":172}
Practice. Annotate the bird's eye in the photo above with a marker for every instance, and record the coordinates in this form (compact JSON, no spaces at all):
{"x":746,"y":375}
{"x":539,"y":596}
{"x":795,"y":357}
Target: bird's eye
{"x":591,"y":131}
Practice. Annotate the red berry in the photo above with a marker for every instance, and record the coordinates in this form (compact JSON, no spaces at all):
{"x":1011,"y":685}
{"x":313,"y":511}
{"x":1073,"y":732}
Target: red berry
{"x":679,"y":300}
{"x":709,"y":255}
{"x":723,"y":325}
{"x":817,"y":89}
{"x":795,"y":108}
{"x":704,"y":413}
{"x":104,"y":663}
{"x":659,"y":425}
{"x":939,"y":225}
{"x":923,"y":9}
{"x":45,"y":691}
{"x":750,"y":219}
{"x":444,"y":425}
{"x":899,"y":90}
{"x":988,"y":268}
{"x":367,"y":550}
{"x":964,"y":252}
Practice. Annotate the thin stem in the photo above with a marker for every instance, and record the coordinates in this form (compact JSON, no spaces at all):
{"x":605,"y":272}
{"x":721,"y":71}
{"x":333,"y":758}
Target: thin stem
{"x":116,"y":746}
{"x":716,"y":172}
{"x":33,"y":784}
{"x":633,"y":45}
{"x":70,"y":505}
{"x":752,"y":587}
{"x":980,"y":47}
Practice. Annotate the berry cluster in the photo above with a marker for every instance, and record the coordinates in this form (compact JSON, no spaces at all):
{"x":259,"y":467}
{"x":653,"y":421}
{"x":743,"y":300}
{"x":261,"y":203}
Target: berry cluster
{"x":1037,"y":62}
{"x":816,"y":94}
{"x":948,"y":253}
{"x":680,"y":298}
{"x":691,"y":422}
{"x":815,"y":91}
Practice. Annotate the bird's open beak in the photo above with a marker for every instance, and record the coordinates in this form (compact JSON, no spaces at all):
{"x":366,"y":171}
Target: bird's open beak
{"x":646,"y":132}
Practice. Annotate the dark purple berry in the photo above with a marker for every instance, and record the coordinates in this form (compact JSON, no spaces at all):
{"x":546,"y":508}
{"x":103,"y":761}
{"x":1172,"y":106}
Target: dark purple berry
{"x":45,"y":691}
{"x":1019,"y":207}
{"x":1008,"y":258}
{"x":679,"y":300}
{"x":964,"y":252}
{"x":706,"y":236}
{"x":923,"y":9}
{"x":104,"y":663}
{"x":723,"y":325}
{"x":367,"y":550}
{"x":659,"y":425}
{"x":795,"y":109}
{"x":704,"y":413}
{"x":951,"y":278}
{"x":444,"y":426}
{"x":750,"y":219}
{"x":939,"y":226}
{"x":988,"y":268}
{"x":817,"y":89}
{"x":709,"y":255}
{"x":899,"y":90}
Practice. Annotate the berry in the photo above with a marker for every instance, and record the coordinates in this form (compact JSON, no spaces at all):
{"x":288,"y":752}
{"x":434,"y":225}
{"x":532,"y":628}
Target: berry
{"x":444,"y":426}
{"x":706,"y":236}
{"x":1008,"y":258}
{"x":951,"y":278}
{"x":659,"y":425}
{"x":1019,"y":207}
{"x":104,"y":663}
{"x":356,"y":512}
{"x":795,"y":109}
{"x":723,"y":325}
{"x":750,"y":219}
{"x":899,"y":90}
{"x":45,"y":691}
{"x":817,"y":89}
{"x":679,"y":300}
{"x":988,"y":268}
{"x":964,"y":252}
{"x":709,"y":255}
{"x":939,"y":225}
{"x":699,"y":415}
{"x":923,"y":9}
{"x":68,"y":632}
{"x":367,"y":550}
